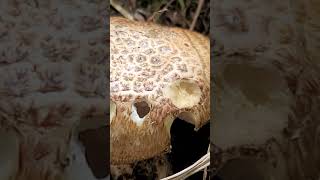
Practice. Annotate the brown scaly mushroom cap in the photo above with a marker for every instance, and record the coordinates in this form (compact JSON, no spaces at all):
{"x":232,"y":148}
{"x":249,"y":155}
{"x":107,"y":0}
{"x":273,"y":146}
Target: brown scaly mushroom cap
{"x":156,"y":75}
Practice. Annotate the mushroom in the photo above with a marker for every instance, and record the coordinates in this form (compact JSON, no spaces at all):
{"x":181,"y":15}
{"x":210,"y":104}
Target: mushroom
{"x":156,"y":75}
{"x":267,"y":92}
{"x":52,"y":91}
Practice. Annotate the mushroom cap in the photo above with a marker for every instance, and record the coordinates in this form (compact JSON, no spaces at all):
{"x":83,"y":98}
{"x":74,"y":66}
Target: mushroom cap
{"x":156,"y":75}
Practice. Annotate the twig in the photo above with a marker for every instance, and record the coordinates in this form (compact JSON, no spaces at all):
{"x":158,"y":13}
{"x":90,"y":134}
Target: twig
{"x":196,"y":15}
{"x":121,"y":10}
{"x":160,"y":11}
{"x":201,"y":164}
{"x":206,"y":169}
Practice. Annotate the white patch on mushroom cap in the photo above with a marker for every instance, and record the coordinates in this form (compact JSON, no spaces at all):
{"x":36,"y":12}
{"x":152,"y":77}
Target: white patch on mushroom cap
{"x":9,"y":155}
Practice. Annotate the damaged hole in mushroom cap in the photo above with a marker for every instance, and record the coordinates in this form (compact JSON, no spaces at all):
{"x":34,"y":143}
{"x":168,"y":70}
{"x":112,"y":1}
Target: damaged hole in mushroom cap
{"x":142,"y":108}
{"x":183,"y":93}
{"x":96,"y":150}
{"x":139,"y":111}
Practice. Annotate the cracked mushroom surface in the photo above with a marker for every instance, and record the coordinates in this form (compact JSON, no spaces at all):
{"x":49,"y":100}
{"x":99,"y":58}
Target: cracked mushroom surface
{"x":52,"y":69}
{"x":156,"y":74}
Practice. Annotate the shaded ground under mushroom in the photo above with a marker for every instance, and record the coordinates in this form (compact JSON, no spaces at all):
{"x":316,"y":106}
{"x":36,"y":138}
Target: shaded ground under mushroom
{"x":188,"y":146}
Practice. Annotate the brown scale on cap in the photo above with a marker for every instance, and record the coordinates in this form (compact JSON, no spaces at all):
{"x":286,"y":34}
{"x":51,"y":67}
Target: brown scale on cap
{"x":157,"y":74}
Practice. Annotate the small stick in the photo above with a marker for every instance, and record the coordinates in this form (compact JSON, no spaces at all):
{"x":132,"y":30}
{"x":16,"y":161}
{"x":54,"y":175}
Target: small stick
{"x":196,"y":15}
{"x":201,"y":164}
{"x":160,"y":11}
{"x":206,"y":169}
{"x":121,"y":10}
